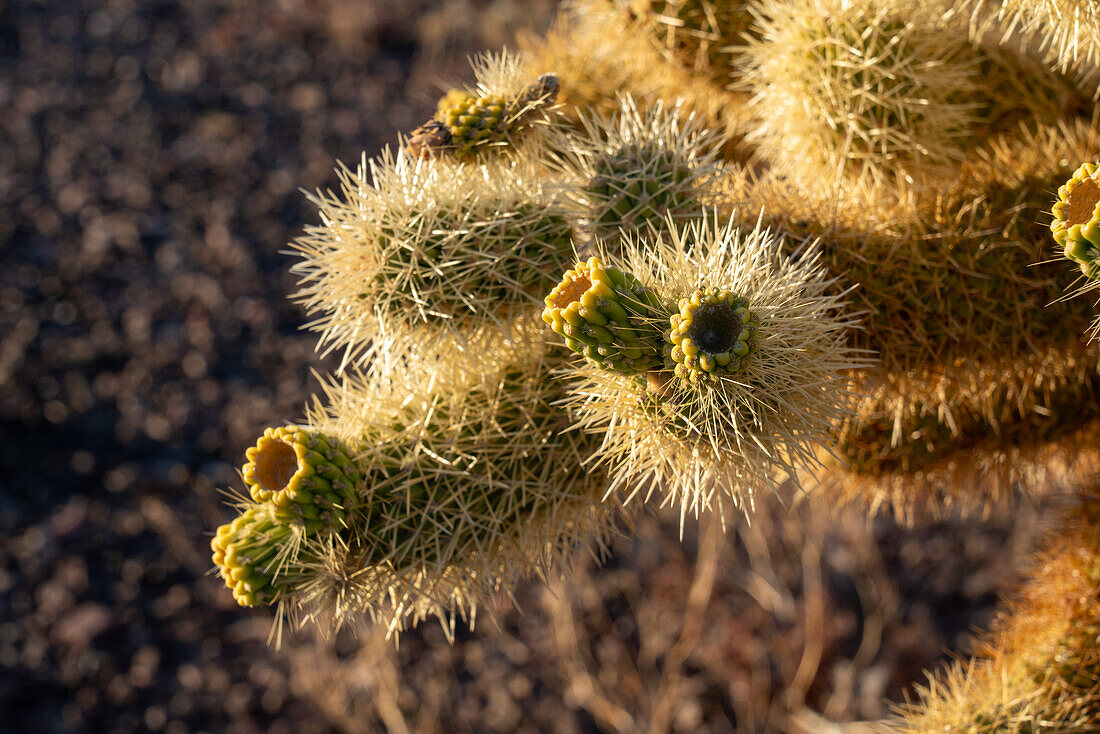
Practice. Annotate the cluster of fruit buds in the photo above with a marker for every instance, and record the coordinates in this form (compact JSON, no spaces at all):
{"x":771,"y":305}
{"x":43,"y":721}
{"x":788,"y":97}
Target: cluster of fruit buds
{"x":303,"y":484}
{"x":608,"y":317}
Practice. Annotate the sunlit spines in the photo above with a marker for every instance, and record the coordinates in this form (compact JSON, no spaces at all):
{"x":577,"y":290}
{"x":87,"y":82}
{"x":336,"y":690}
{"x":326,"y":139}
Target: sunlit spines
{"x":857,"y":92}
{"x":700,"y":34}
{"x":1068,"y":32}
{"x":255,"y":556}
{"x":430,"y":250}
{"x":716,"y":442}
{"x":608,"y":317}
{"x":638,"y":168}
{"x":474,"y":482}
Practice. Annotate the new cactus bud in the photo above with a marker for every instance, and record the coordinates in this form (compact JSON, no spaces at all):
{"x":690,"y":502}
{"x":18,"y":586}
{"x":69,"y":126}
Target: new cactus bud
{"x":608,"y":317}
{"x":254,"y":555}
{"x":712,"y":335}
{"x":308,"y":479}
{"x":1076,"y":225}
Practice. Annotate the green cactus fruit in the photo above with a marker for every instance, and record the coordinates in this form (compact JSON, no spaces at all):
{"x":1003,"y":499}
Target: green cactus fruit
{"x":251,"y":553}
{"x":452,"y":98}
{"x":607,"y":316}
{"x":1076,"y":225}
{"x":308,"y":479}
{"x":713,"y":334}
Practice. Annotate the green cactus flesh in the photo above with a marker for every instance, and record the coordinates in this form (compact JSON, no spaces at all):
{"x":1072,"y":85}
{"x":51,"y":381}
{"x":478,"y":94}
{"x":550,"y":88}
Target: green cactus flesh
{"x":1076,"y":225}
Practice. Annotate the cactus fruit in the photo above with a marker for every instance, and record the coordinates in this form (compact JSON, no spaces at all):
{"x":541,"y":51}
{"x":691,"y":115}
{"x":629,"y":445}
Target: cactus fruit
{"x":638,"y":169}
{"x":475,"y":482}
{"x":429,"y":248}
{"x":708,"y":442}
{"x":713,"y":334}
{"x":307,"y":478}
{"x":608,"y":317}
{"x":254,"y":554}
{"x":467,"y":124}
{"x":1076,"y":225}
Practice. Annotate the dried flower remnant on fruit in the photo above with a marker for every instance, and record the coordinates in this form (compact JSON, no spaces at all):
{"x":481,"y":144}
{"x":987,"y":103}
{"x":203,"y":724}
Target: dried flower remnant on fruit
{"x":307,"y":478}
{"x":467,"y":124}
{"x":1076,"y":225}
{"x":608,"y":317}
{"x":712,"y":335}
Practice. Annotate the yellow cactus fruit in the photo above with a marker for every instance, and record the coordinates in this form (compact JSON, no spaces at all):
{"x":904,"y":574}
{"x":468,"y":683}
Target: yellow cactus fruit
{"x":709,"y":443}
{"x":608,"y":317}
{"x":1076,"y":225}
{"x":475,"y":483}
{"x":495,"y":117}
{"x":309,"y":479}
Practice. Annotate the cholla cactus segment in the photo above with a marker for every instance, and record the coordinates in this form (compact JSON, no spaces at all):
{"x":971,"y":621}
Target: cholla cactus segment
{"x":1068,"y":32}
{"x":494,"y":117}
{"x":608,"y":317}
{"x":638,"y":168}
{"x":1040,"y":670}
{"x":1076,"y":225}
{"x":308,"y":478}
{"x":710,"y":442}
{"x":700,"y":34}
{"x":861,"y":90}
{"x":475,"y":481}
{"x":430,"y":249}
{"x":255,"y":556}
{"x":712,"y":335}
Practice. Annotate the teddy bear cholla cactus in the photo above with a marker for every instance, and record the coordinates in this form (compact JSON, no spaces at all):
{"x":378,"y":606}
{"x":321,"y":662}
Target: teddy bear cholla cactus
{"x":425,"y":249}
{"x":730,"y":405}
{"x":465,"y":481}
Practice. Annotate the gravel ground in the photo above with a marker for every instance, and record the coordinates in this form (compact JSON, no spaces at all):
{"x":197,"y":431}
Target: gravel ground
{"x":151,"y":155}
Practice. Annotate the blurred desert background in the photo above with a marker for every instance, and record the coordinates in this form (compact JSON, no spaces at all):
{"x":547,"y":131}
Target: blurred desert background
{"x":152,"y":156}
